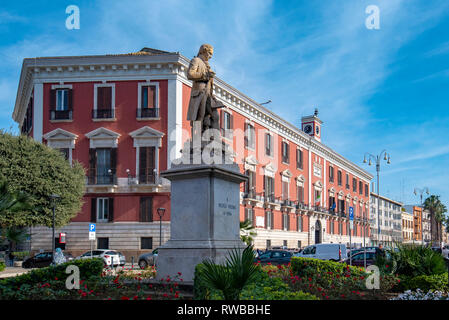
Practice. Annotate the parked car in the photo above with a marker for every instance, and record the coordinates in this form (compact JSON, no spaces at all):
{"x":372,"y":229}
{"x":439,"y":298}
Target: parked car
{"x":445,"y":251}
{"x":42,"y":260}
{"x":358,"y":258}
{"x":147,"y":259}
{"x":354,"y":251}
{"x":274,"y":257}
{"x":325,"y":251}
{"x":107,"y":256}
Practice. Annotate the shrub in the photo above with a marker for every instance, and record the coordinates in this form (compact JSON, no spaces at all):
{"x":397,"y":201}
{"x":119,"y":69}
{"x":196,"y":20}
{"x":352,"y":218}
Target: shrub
{"x":88,"y":268}
{"x":21,"y":255}
{"x":412,"y":261}
{"x":424,"y":282}
{"x":2,"y":266}
{"x":304,"y":267}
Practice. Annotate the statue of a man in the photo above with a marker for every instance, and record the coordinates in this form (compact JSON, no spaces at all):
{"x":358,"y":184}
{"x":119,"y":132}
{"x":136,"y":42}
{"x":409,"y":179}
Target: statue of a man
{"x":203,"y":106}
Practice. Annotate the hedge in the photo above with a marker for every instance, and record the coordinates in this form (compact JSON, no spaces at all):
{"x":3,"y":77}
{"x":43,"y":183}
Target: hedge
{"x":2,"y":266}
{"x":437,"y":282}
{"x":305,"y":267}
{"x":265,"y":288}
{"x":87,"y":267}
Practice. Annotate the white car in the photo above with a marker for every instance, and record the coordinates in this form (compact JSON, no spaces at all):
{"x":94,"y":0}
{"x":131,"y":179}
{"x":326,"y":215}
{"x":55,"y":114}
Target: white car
{"x":324,"y":251}
{"x":445,"y":251}
{"x":107,"y":255}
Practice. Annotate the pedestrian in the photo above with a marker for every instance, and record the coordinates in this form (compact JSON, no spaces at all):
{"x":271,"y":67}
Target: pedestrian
{"x":59,"y":257}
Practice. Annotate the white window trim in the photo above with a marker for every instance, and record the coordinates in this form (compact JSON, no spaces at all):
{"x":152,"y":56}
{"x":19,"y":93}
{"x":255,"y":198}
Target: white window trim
{"x":61,"y":139}
{"x":139,"y":92}
{"x":104,"y":85}
{"x":252,"y":148}
{"x":97,"y":213}
{"x":102,"y":138}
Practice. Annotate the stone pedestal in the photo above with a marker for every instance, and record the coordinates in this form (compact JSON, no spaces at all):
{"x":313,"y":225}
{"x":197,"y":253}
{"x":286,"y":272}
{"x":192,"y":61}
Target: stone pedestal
{"x":204,"y":217}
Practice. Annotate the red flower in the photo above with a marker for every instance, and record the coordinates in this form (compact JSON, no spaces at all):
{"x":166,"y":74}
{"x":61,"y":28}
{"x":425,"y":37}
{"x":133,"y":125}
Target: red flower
{"x":56,"y":278}
{"x":136,"y":297}
{"x":149,"y":298}
{"x":399,"y":280}
{"x":179,"y":273}
{"x":386,"y":266}
{"x":176,"y":295}
{"x":125,"y":298}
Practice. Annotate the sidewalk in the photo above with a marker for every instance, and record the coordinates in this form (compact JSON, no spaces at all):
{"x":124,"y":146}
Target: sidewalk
{"x":13,"y":271}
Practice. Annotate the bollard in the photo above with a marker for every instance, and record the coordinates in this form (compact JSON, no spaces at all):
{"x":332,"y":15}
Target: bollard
{"x":112,"y":263}
{"x":132,"y":262}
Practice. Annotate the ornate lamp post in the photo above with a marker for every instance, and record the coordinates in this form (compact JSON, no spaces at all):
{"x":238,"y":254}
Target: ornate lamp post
{"x":160,"y":212}
{"x":377,"y":159}
{"x":53,"y":199}
{"x":420,"y":192}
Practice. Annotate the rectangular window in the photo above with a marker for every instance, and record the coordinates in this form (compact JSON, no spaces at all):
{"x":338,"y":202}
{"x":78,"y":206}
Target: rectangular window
{"x":366,"y":190}
{"x":285,"y":222}
{"x":285,"y":244}
{"x":299,"y":244}
{"x":104,"y":98}
{"x":250,"y":136}
{"x":347,"y":181}
{"x":148,"y":105}
{"x":146,"y":243}
{"x":102,"y":165}
{"x":147,"y":161}
{"x":269,"y":188}
{"x":331,"y":174}
{"x":250,"y":184}
{"x":285,"y":193}
{"x":268,"y":244}
{"x":360,"y":187}
{"x":146,"y":209}
{"x":300,"y":195}
{"x":65,"y":152}
{"x":62,"y":99}
{"x":61,"y":104}
{"x":354,"y":185}
{"x":102,"y":243}
{"x":249,"y":215}
{"x":285,"y":152}
{"x":268,"y":144}
{"x":299,"y":160}
{"x":102,"y":209}
{"x":339,"y":178}
{"x":226,"y":124}
{"x":299,"y":223}
{"x":269,"y":220}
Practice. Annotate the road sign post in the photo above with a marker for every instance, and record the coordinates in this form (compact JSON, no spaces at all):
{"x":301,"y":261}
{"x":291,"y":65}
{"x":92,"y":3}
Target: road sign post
{"x":92,"y":229}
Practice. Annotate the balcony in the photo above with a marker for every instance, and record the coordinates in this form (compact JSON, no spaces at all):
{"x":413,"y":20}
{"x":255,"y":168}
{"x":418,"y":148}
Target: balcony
{"x":108,"y":179}
{"x":103,"y":114}
{"x":301,"y":205}
{"x":147,"y":113}
{"x":60,"y":114}
{"x":147,"y":179}
{"x":320,"y":209}
{"x":287,"y":203}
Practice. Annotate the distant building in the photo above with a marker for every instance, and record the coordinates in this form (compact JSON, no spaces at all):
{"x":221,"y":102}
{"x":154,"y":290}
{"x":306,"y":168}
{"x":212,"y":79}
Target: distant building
{"x":390,"y":217}
{"x":407,"y":226}
{"x":417,"y":220}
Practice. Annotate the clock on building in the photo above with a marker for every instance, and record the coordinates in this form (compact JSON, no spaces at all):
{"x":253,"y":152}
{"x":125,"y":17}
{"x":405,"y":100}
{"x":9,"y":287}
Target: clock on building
{"x":308,"y":128}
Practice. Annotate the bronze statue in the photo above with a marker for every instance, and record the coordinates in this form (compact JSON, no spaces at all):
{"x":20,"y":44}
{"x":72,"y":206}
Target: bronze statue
{"x":203,"y":106}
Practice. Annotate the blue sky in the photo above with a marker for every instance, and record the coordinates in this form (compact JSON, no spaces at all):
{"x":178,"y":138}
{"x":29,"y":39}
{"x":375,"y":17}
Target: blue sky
{"x":375,"y":89}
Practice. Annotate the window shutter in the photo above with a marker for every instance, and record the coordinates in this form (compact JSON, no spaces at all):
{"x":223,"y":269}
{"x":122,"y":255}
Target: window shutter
{"x":92,"y":166}
{"x":111,"y":209}
{"x":114,"y":160}
{"x":246,"y":137}
{"x":93,"y":210}
{"x":107,"y":96}
{"x":70,"y":99}
{"x":52,"y":99}
{"x":151,"y":97}
{"x":100,"y":98}
{"x":142,"y":209}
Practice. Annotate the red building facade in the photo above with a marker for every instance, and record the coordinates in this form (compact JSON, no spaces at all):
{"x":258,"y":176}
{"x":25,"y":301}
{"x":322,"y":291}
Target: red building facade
{"x":123,"y":117}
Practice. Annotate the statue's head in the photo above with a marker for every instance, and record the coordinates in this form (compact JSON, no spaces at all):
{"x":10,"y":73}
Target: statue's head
{"x":206,"y":50}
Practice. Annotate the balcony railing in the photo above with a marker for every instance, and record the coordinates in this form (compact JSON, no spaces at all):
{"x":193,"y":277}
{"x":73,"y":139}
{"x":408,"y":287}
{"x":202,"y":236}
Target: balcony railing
{"x":147,"y":112}
{"x":269,"y":198}
{"x":108,"y":179}
{"x":320,"y":209}
{"x":60,"y":114}
{"x":249,"y":195}
{"x":301,"y":205}
{"x":103,"y":114}
{"x":147,"y":179}
{"x":287,"y":203}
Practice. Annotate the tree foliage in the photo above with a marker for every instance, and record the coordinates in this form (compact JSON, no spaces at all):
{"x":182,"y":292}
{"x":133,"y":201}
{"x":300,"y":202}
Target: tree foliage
{"x":437,"y":210}
{"x":247,"y":232}
{"x":39,"y":171}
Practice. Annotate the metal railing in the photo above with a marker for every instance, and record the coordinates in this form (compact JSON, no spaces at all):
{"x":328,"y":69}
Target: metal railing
{"x":147,"y":112}
{"x":60,"y":114}
{"x":147,"y":178}
{"x":107,"y":179}
{"x":103,"y":113}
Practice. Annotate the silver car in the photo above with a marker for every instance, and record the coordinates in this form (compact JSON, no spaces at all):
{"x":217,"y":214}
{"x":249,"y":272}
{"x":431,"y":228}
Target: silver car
{"x":147,"y":259}
{"x":107,"y":255}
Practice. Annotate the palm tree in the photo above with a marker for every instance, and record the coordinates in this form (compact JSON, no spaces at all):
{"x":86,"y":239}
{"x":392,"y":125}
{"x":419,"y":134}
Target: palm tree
{"x":437,"y":210}
{"x":247,"y":228}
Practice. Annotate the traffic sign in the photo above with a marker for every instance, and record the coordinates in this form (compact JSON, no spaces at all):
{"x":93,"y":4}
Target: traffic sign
{"x":91,"y":235}
{"x":92,"y":227}
{"x":351,"y":213}
{"x":351,"y":224}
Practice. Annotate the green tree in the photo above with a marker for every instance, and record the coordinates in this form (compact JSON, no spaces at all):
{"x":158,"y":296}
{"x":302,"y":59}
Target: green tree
{"x":437,"y":210}
{"x":247,"y":232}
{"x":39,"y":171}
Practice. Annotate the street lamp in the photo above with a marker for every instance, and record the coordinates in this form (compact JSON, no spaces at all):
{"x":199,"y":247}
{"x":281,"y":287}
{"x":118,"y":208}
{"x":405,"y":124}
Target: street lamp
{"x":420,"y":192}
{"x":53,"y":199}
{"x":377,"y":159}
{"x":160,"y":212}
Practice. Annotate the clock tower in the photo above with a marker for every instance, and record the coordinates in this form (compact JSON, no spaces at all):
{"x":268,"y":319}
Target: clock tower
{"x":312,"y":125}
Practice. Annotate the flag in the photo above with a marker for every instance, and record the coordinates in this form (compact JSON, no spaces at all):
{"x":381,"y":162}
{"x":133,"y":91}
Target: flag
{"x":333,"y":206}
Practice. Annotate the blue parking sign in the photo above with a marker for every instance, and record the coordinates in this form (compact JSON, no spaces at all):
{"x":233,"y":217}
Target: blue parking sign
{"x":92,"y":227}
{"x":351,"y":213}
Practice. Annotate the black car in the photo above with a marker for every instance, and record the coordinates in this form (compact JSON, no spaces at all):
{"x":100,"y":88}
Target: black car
{"x":274,"y":257}
{"x":42,"y":260}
